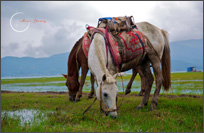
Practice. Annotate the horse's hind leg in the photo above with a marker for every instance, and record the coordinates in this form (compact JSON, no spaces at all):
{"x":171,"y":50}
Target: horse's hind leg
{"x":159,"y":78}
{"x":84,"y":70}
{"x":128,"y":89}
{"x":145,"y":67}
{"x":92,"y":87}
{"x":142,"y":81}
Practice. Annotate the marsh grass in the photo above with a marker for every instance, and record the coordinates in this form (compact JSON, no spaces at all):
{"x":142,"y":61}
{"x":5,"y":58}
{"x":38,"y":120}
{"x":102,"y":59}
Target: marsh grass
{"x":182,"y":114}
{"x":174,"y":76}
{"x":175,"y":113}
{"x":182,"y":83}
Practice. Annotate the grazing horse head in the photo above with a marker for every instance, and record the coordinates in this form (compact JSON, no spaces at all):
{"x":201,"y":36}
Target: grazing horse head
{"x":108,"y":91}
{"x":73,"y":87}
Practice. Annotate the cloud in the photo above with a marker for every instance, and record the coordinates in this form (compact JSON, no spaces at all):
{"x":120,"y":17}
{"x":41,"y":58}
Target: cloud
{"x":10,"y":48}
{"x":65,"y":24}
{"x":60,"y":41}
{"x":183,"y":20}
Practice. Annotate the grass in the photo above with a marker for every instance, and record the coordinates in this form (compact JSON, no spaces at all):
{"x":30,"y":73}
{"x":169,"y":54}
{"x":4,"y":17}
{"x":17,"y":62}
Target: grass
{"x":31,"y":80}
{"x":174,"y":76}
{"x":175,"y":113}
{"x":182,"y":114}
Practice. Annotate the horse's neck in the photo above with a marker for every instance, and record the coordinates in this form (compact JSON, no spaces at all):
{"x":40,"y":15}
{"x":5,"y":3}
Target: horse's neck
{"x":97,"y":58}
{"x":73,"y":67}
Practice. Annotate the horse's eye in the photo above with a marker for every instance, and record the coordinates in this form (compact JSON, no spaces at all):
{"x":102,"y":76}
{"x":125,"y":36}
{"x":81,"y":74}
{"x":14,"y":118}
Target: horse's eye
{"x":105,"y":94}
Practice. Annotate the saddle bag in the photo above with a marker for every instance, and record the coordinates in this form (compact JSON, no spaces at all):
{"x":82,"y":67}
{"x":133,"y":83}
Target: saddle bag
{"x":116,"y":24}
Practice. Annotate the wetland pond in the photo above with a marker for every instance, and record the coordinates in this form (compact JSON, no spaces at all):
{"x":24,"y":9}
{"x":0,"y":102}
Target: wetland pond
{"x":177,"y":87}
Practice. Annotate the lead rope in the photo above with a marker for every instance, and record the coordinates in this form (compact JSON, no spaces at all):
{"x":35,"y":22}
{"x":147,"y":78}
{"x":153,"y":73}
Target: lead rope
{"x":94,"y":101}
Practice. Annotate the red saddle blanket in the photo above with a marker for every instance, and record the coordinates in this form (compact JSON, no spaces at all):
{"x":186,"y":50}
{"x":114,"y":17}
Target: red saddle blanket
{"x":131,"y":44}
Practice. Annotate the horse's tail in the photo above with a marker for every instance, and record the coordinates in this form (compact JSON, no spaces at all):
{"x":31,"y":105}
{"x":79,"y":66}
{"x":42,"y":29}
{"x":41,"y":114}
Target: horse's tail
{"x":166,"y":62}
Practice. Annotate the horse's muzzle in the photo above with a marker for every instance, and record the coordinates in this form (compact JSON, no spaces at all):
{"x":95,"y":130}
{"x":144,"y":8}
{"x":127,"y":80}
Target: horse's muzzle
{"x":72,"y":98}
{"x":113,"y":115}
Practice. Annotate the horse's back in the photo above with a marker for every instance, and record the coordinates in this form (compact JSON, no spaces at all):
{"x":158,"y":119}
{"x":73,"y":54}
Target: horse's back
{"x":154,"y":34}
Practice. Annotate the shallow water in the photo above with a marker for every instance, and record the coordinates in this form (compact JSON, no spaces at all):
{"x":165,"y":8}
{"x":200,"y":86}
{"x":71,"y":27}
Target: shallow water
{"x":26,"y":116}
{"x":13,"y":87}
{"x":57,"y":86}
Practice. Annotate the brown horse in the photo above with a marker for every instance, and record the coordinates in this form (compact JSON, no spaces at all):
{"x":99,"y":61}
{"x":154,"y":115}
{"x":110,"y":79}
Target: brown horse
{"x":78,"y":59}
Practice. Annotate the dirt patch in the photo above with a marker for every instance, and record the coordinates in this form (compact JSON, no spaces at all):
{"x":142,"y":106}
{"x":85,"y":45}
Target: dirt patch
{"x":86,"y":94}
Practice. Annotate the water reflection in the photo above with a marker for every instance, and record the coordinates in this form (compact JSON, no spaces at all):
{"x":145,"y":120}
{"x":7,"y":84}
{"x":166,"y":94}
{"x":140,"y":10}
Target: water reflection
{"x":26,"y":116}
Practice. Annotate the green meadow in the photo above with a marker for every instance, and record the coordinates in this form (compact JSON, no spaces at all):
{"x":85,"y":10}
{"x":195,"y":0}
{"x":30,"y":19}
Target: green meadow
{"x":177,"y":111}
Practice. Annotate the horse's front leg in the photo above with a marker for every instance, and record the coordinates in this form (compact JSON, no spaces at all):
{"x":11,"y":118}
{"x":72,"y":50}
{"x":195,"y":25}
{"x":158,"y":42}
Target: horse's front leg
{"x":84,"y":70}
{"x":128,"y":89}
{"x":92,"y":87}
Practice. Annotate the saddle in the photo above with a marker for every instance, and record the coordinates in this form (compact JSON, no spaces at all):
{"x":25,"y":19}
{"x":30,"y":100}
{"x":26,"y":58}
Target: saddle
{"x":124,"y":50}
{"x":116,"y":24}
{"x":126,"y":41}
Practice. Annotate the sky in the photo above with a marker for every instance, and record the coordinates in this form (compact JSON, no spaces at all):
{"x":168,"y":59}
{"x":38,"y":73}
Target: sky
{"x":43,"y":28}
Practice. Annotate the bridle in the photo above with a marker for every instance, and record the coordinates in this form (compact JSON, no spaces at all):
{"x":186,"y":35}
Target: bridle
{"x":106,"y":110}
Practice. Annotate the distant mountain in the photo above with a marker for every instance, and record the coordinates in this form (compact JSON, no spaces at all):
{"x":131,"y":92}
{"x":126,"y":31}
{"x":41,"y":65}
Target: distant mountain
{"x":183,"y":54}
{"x":186,"y":54}
{"x":28,"y":66}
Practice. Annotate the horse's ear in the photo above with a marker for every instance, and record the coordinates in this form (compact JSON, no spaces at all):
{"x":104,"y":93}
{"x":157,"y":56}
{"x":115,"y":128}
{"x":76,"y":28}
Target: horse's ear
{"x":104,"y":77}
{"x":119,"y":74}
{"x":115,"y":75}
{"x":64,"y":75}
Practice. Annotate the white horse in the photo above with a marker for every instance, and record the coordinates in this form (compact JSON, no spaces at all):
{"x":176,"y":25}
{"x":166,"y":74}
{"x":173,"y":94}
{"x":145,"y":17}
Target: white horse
{"x":97,"y":63}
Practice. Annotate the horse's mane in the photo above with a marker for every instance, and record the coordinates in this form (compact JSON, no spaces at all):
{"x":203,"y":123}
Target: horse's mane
{"x":72,"y":58}
{"x":76,"y":45}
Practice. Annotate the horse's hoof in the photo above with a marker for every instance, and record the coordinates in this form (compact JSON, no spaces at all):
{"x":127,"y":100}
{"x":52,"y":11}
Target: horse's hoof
{"x":90,"y":97}
{"x":77,"y":100}
{"x":127,"y":91}
{"x":72,"y":98}
{"x":139,"y":94}
{"x":153,"y":107}
{"x":139,"y":107}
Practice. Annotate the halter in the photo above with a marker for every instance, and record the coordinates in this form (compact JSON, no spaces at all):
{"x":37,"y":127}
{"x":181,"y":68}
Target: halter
{"x":107,"y":109}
